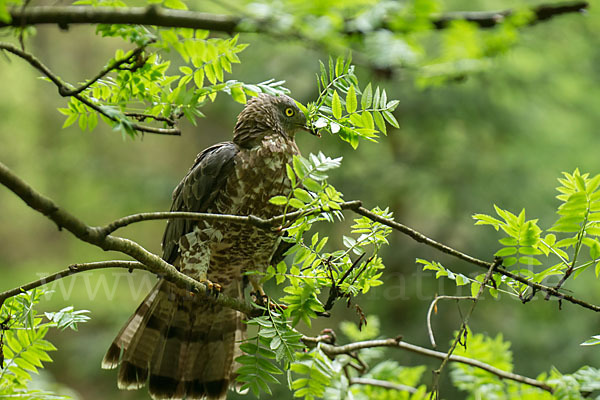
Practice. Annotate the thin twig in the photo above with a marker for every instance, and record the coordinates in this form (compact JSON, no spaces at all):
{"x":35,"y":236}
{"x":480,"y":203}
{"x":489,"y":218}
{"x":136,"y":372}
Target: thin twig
{"x":129,"y":57}
{"x":431,"y":308}
{"x":143,"y":117}
{"x":332,"y":350}
{"x":463,"y":329}
{"x":67,"y":90}
{"x":71,"y":270}
{"x":382,"y":384}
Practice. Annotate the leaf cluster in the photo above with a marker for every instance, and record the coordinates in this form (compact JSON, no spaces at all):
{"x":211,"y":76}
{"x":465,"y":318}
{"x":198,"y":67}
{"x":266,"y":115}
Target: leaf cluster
{"x":145,"y":88}
{"x":576,"y":229}
{"x":337,"y":109}
{"x":275,"y":343}
{"x":23,"y":347}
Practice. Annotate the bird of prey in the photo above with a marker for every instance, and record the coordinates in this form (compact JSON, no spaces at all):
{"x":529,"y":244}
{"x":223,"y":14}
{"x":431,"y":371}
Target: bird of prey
{"x":183,"y":345}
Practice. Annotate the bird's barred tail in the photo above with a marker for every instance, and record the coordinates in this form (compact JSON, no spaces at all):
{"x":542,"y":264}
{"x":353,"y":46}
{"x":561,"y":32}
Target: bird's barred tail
{"x":182,"y":345}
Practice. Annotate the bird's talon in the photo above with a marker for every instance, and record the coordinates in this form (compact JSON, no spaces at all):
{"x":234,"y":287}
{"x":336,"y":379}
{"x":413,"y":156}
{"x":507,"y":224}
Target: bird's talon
{"x":212,"y":288}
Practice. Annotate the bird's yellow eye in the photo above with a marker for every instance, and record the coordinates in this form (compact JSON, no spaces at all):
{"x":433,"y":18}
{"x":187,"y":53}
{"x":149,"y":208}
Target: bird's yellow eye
{"x":289,"y":111}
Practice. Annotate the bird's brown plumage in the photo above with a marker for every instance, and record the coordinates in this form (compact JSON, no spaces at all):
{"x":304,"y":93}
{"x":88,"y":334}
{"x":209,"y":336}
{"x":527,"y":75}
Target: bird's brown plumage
{"x":184,"y":346}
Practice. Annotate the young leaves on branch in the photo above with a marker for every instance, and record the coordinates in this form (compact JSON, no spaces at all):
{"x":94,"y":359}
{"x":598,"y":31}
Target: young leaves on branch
{"x":275,"y":342}
{"x":338,"y":109}
{"x":578,"y":225}
{"x":23,"y":347}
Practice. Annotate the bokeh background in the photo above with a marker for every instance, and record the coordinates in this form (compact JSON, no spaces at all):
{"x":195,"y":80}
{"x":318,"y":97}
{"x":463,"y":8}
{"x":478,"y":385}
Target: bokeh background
{"x":501,"y":136}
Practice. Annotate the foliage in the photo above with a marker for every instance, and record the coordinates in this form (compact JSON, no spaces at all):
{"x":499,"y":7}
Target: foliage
{"x":482,"y":384}
{"x":274,"y":341}
{"x":578,"y":223}
{"x":23,"y":348}
{"x":496,"y":352}
{"x":142,"y":87}
{"x":343,"y":114}
{"x":391,"y":35}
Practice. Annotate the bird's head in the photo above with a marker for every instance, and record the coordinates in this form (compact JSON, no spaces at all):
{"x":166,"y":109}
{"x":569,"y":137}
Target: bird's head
{"x":265,"y":114}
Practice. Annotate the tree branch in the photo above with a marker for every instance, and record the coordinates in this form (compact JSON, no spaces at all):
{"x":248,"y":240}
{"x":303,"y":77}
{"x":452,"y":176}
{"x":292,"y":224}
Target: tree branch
{"x":67,"y":90}
{"x":150,"y":262}
{"x":383,"y":384}
{"x":262,"y":223}
{"x":333,"y":350}
{"x":487,"y":19}
{"x":152,"y":15}
{"x":419,"y":237}
{"x":64,"y":16}
{"x":131,"y":56}
{"x":71,"y":270}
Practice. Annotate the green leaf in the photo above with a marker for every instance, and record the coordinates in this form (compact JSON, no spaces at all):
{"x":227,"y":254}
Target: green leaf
{"x":339,"y":66}
{"x":507,"y":251}
{"x":367,"y":97}
{"x":592,"y":342}
{"x":508,"y":241}
{"x":4,"y":14}
{"x":509,"y":261}
{"x":379,"y":121}
{"x":175,"y":4}
{"x":278,"y":200}
{"x":186,"y":70}
{"x":199,"y":78}
{"x":389,"y":117}
{"x":367,"y":120}
{"x":526,"y":260}
{"x":210,"y":74}
{"x":70,"y":120}
{"x":302,"y":195}
{"x":475,"y":286}
{"x":92,"y":121}
{"x":336,"y":106}
{"x":290,"y":174}
{"x":237,"y":93}
{"x":299,"y":167}
{"x":312,"y":185}
{"x":296,"y":203}
{"x":351,"y":102}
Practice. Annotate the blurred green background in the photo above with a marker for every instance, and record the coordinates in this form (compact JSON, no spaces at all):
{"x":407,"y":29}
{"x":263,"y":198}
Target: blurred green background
{"x":501,"y":137}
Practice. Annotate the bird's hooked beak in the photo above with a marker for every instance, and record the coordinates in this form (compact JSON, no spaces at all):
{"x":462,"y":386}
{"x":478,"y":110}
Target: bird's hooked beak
{"x":310,"y":130}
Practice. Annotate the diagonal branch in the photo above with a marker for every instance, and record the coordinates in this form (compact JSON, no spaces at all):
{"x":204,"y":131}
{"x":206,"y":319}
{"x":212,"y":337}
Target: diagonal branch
{"x":333,"y":351}
{"x":419,"y":237}
{"x":67,"y":90}
{"x":64,"y":16}
{"x":132,"y":56}
{"x":86,"y":233}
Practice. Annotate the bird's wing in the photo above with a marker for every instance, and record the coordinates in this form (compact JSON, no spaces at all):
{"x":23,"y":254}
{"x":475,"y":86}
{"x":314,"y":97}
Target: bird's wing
{"x":197,"y":191}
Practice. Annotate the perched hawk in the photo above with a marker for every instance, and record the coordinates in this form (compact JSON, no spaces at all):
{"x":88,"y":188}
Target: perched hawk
{"x":184,"y":345}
